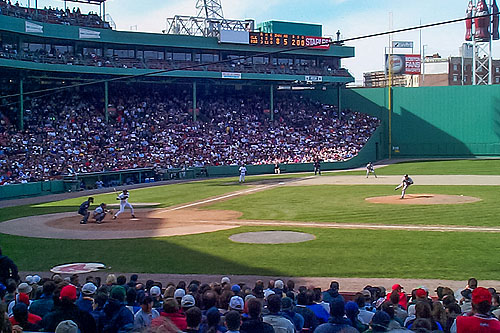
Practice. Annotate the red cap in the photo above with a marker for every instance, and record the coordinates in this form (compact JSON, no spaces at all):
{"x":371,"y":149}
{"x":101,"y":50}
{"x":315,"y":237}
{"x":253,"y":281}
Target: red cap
{"x":24,"y":298}
{"x":481,"y":294}
{"x":397,"y":286}
{"x":421,"y":293}
{"x":69,"y":292}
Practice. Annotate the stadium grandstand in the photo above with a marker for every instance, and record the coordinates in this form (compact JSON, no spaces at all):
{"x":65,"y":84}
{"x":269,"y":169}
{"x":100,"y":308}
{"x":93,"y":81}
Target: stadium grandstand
{"x":248,"y":100}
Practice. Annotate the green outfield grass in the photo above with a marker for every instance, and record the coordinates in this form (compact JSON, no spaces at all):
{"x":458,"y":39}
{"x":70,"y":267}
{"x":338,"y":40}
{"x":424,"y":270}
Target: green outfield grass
{"x":341,"y":253}
{"x":341,"y":203}
{"x":450,"y":167}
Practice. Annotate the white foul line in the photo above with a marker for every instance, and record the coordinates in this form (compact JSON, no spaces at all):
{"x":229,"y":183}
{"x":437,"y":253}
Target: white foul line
{"x":218,"y":198}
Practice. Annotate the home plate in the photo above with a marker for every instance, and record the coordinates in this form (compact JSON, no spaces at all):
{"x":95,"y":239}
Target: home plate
{"x":134,"y":219}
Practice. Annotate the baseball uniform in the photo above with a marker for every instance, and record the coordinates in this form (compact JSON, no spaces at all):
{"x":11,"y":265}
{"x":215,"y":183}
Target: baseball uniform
{"x":123,"y":197}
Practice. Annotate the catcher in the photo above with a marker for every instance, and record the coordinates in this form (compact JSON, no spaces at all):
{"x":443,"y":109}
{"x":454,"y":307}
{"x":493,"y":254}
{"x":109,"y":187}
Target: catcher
{"x":100,"y":213}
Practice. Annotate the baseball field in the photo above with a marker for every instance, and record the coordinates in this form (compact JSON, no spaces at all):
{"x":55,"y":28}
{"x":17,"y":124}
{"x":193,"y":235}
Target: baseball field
{"x":187,"y":229}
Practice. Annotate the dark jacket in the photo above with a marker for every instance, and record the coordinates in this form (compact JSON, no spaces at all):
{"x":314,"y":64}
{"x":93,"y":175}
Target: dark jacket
{"x":69,"y":311}
{"x":255,"y":326}
{"x":336,"y":324}
{"x":310,"y":319}
{"x":42,"y":306}
{"x":332,"y":295}
{"x":8,"y":270}
{"x":118,"y":317}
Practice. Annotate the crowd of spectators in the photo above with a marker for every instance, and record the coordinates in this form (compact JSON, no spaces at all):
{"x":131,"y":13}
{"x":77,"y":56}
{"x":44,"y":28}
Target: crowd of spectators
{"x":68,"y":304}
{"x":53,"y":15}
{"x":53,"y":56}
{"x":67,"y":133}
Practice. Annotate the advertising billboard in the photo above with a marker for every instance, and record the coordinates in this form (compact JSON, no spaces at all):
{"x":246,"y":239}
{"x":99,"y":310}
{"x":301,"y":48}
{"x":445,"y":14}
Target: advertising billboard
{"x":403,"y":63}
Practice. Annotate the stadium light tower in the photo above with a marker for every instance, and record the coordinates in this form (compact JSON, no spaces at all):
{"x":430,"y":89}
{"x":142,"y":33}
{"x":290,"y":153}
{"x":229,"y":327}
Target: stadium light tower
{"x":482,"y":31}
{"x":210,"y":9}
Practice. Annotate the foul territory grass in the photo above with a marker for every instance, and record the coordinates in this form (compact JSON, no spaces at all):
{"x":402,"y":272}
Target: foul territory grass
{"x":341,"y":253}
{"x":342,"y":203}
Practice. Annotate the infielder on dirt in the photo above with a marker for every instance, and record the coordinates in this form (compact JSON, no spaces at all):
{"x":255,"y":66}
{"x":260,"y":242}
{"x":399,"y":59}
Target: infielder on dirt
{"x":405,"y":182}
{"x":243,"y":172}
{"x":123,"y":197}
{"x":370,"y":168}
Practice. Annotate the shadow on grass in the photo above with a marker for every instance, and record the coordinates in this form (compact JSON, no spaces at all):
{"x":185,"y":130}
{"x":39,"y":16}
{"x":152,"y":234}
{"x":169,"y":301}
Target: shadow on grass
{"x":153,"y":255}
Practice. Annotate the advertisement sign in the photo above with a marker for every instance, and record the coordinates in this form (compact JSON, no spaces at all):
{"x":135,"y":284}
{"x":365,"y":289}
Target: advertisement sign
{"x":412,"y":64}
{"x":313,"y":78}
{"x":33,"y":27}
{"x":402,"y":45}
{"x":403,"y":64}
{"x":229,"y":75}
{"x":86,"y":33}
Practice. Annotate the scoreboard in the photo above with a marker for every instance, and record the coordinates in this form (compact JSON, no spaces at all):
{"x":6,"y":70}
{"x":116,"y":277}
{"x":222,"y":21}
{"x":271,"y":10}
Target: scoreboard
{"x":288,"y":40}
{"x":256,"y":38}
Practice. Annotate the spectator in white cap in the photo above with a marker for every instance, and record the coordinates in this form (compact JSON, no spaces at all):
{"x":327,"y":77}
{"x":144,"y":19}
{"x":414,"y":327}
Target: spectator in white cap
{"x":236,"y":303}
{"x":225,"y":280}
{"x":86,"y":300}
{"x":179,"y":294}
{"x":155,"y":293}
{"x":23,"y":288}
{"x":187,"y":302}
{"x":268,"y":293}
{"x":67,"y":326}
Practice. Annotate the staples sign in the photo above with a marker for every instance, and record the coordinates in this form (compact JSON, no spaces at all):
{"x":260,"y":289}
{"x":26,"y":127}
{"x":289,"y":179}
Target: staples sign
{"x":318,"y":42}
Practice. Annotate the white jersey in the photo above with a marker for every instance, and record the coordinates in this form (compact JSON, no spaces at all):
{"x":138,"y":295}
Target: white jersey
{"x":99,"y":210}
{"x":243,"y":170}
{"x":123,"y":198}
{"x":407,"y":181}
{"x":369,"y":167}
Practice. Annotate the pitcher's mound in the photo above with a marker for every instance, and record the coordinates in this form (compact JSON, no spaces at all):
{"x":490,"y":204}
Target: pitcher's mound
{"x":424,"y":199}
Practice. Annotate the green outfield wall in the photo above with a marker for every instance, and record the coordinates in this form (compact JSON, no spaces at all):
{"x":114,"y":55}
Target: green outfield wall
{"x":451,"y":122}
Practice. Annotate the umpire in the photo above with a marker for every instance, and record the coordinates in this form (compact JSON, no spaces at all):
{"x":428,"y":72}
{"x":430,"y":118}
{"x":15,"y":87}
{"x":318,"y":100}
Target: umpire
{"x":84,"y":210}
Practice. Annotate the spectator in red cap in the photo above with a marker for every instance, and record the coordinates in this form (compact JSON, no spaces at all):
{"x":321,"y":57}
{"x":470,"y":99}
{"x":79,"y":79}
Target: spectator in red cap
{"x":403,"y":301}
{"x":480,"y":319}
{"x":67,"y":310}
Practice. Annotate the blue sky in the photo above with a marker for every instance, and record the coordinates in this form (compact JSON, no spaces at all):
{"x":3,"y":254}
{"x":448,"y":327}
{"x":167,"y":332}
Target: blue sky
{"x":351,"y":17}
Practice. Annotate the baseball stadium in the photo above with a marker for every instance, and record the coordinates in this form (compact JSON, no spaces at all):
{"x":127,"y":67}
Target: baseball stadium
{"x":231,"y":159}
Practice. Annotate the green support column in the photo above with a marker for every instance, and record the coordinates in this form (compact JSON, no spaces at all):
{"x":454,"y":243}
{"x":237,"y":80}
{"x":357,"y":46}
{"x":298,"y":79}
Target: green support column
{"x":194,"y":101}
{"x":106,"y":101}
{"x":21,"y":105}
{"x":272,"y":103}
{"x":339,"y":96}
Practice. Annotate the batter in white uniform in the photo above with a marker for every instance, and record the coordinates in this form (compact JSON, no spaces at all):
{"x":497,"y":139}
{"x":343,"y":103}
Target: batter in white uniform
{"x":243,"y":172}
{"x":123,"y":197}
{"x":405,"y":182}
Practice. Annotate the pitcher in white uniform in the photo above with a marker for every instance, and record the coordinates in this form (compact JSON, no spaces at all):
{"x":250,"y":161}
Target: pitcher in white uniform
{"x":123,"y":197}
{"x":405,"y":182}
